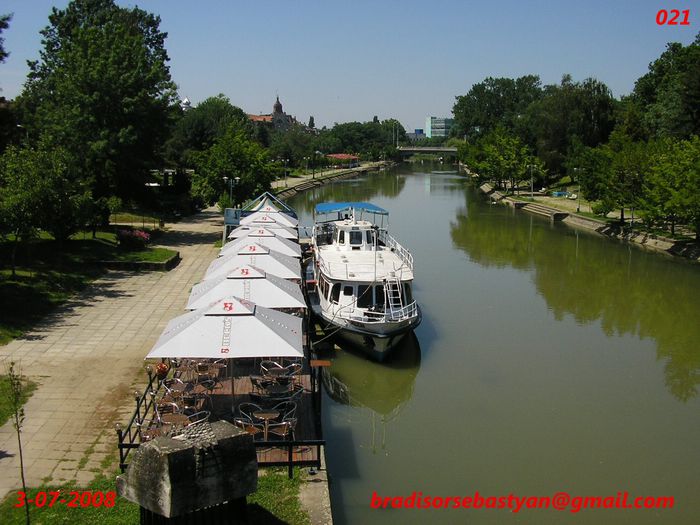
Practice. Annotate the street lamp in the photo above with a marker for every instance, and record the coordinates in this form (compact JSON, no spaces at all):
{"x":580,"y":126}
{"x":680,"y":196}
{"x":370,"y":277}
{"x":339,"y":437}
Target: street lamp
{"x":532,"y":192}
{"x":313,"y":168}
{"x":236,"y":180}
{"x":285,"y":172}
{"x":230,"y":188}
{"x":578,"y":194}
{"x":26,"y":132}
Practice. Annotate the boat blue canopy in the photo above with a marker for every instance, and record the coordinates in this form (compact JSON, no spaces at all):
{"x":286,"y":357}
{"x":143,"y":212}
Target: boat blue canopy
{"x":340,"y":207}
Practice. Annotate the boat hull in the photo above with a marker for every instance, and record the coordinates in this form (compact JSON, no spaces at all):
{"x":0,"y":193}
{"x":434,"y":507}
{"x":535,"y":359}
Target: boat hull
{"x":375,"y":345}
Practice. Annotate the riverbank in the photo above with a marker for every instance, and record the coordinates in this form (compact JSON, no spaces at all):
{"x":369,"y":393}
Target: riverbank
{"x":542,"y":205}
{"x":286,"y":188}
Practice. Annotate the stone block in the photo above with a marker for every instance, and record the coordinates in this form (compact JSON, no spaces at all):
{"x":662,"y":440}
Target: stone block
{"x":172,"y":477}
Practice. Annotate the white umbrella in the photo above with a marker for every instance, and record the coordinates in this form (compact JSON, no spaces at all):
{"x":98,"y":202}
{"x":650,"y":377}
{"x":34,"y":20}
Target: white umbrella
{"x":269,"y":219}
{"x":252,"y":284}
{"x":278,"y":244}
{"x":272,"y":262}
{"x":266,"y":204}
{"x":230,"y":328}
{"x":253,"y":231}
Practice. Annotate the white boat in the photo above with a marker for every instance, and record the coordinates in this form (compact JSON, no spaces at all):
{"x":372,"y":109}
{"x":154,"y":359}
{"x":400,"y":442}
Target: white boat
{"x":363,"y":278}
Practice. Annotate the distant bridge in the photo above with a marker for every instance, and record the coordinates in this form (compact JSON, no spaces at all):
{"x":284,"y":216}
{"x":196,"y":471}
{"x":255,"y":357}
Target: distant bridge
{"x":435,"y":150}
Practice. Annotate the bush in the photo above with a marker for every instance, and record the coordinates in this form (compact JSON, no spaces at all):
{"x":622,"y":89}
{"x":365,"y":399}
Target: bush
{"x":133,"y":239}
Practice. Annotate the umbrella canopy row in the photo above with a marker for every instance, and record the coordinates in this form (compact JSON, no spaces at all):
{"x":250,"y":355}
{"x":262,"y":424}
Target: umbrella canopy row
{"x":271,"y":242}
{"x":272,"y":262}
{"x":231,"y":328}
{"x":263,"y":231}
{"x":234,"y":310}
{"x":250,"y":283}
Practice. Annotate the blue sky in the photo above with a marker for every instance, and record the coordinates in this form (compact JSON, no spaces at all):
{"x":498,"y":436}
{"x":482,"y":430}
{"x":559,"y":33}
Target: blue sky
{"x":344,"y":61}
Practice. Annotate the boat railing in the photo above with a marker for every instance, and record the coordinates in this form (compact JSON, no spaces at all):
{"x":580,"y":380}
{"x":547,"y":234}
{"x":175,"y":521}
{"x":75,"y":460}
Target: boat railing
{"x":369,"y":317}
{"x":340,"y":270}
{"x":406,"y":312}
{"x":397,"y":248}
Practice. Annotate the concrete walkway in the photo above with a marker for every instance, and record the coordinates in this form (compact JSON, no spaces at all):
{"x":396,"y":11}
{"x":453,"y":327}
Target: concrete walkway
{"x":87,"y":358}
{"x":279,"y":184}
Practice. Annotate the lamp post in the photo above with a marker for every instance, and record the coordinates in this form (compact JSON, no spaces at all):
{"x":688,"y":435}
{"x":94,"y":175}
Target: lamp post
{"x":578,"y":194}
{"x":313,"y":168}
{"x":26,"y":132}
{"x":285,"y":172}
{"x":229,"y":182}
{"x":532,"y":191}
{"x":236,"y":180}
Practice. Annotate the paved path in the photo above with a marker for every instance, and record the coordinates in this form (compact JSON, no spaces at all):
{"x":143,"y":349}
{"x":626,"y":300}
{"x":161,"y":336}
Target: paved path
{"x":279,"y":184}
{"x":88,"y":357}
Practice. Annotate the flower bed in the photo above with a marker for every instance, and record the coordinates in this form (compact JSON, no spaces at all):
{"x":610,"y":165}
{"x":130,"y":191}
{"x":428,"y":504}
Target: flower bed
{"x":133,"y":239}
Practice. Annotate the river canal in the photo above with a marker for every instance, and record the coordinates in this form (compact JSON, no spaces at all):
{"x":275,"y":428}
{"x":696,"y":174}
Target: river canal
{"x":549,"y":359}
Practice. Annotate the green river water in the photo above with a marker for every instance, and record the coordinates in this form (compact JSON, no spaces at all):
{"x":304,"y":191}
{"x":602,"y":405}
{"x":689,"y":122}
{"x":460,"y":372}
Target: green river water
{"x":549,"y":359}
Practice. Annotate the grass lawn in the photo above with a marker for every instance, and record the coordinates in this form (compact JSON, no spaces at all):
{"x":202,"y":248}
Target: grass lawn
{"x":49,"y":273}
{"x":5,"y":411}
{"x":134,"y":218}
{"x":276,"y":501}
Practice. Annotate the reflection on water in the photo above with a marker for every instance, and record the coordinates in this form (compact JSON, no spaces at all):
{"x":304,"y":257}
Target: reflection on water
{"x":550,"y":359}
{"x":382,"y":387}
{"x":355,"y":189}
{"x":378,"y":389}
{"x":595,"y":279}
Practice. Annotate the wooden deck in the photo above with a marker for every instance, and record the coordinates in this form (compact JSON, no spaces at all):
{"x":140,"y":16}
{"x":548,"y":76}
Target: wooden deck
{"x":275,"y":451}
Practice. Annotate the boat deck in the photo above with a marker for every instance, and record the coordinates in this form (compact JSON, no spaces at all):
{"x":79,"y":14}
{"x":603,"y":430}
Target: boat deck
{"x":360,"y":265}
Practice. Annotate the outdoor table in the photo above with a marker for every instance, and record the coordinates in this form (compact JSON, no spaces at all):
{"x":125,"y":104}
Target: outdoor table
{"x":266,"y":416}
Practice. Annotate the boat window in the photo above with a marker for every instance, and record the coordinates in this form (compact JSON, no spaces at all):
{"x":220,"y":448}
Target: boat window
{"x":335,"y":292}
{"x":379,"y":296}
{"x":355,"y":238}
{"x":347,"y":290}
{"x":364,"y":296}
{"x":369,"y":237}
{"x":407,"y":293}
{"x":341,"y":237}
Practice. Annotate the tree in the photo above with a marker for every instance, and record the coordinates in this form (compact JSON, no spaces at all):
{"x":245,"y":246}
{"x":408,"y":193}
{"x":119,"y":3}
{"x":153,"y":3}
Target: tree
{"x":198,"y":128}
{"x":672,"y":188}
{"x":8,"y":125}
{"x":15,"y":399}
{"x":232,"y":155}
{"x":669,"y":94}
{"x":312,"y":124}
{"x":582,"y":111}
{"x":4,"y":24}
{"x":102,"y":90}
{"x":494,"y":102}
{"x":21,"y":195}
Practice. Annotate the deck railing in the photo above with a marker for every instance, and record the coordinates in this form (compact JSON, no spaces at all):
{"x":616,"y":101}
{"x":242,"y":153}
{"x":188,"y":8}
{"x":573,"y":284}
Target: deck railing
{"x":130,"y":437}
{"x":406,"y":312}
{"x":398,"y":249}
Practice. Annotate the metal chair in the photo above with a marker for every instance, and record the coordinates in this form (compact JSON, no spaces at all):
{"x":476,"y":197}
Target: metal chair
{"x":287,"y":409}
{"x":269,"y":368}
{"x":249,"y":426}
{"x":199,"y":417}
{"x":283,"y":429}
